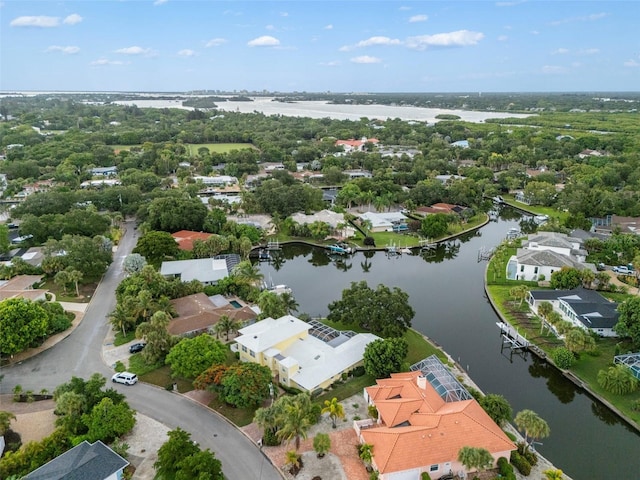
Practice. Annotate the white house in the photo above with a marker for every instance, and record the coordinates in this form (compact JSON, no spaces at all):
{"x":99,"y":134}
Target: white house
{"x":586,"y":309}
{"x":104,"y":171}
{"x":544,"y":253}
{"x":309,"y":356}
{"x":208,"y":271}
{"x":384,"y":221}
{"x":333,"y":219}
{"x":218,"y":181}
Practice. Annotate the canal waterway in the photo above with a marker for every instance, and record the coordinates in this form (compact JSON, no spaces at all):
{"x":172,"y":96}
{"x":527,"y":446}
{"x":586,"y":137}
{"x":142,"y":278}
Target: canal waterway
{"x":446,"y":290}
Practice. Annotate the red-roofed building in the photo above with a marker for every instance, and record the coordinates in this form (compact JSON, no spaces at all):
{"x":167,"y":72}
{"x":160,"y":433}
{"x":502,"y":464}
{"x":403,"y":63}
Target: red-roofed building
{"x":418,"y":430}
{"x":185,"y":238}
{"x":356,"y":145}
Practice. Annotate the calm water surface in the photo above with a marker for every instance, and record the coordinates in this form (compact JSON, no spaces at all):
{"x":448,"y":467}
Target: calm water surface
{"x":446,"y":291}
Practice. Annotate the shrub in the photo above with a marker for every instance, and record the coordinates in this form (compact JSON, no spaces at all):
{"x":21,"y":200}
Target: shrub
{"x":563,"y":357}
{"x":635,"y":405}
{"x":358,"y":371}
{"x":119,"y":366}
{"x":270,"y":439}
{"x":369,"y":242}
{"x":521,"y":463}
{"x":425,"y":476}
{"x":505,"y":469}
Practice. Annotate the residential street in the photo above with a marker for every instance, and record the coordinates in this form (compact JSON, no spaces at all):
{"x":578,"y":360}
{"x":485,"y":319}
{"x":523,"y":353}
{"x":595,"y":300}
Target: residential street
{"x":80,"y":354}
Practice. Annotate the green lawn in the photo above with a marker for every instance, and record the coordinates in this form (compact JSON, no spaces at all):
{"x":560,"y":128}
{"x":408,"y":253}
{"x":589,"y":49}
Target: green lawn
{"x":536,"y":209}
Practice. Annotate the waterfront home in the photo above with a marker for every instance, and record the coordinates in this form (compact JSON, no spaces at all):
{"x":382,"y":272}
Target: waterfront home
{"x":611,"y":223}
{"x":424,"y":418}
{"x":383,"y":221}
{"x":197,"y":313}
{"x":185,"y":238}
{"x":353,"y":145}
{"x":586,"y":309}
{"x":88,"y":461}
{"x":308,"y":356}
{"x":335,"y":221}
{"x":544,"y":253}
{"x":208,"y":271}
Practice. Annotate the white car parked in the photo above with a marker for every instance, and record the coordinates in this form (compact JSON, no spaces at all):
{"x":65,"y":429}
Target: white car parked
{"x":127,"y":378}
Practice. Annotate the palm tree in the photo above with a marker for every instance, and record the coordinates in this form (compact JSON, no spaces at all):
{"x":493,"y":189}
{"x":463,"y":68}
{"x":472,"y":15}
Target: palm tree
{"x":121,"y":319}
{"x":293,"y":459}
{"x":475,"y":458}
{"x":334,"y":409}
{"x":75,"y":276}
{"x":248,"y":273}
{"x":289,"y":302}
{"x":553,"y":474}
{"x":163,"y":304}
{"x":321,"y":444}
{"x":544,"y":309}
{"x":296,"y":423}
{"x":532,"y":425}
{"x":227,"y":324}
{"x":144,"y":305}
{"x":618,"y":380}
{"x":62,"y":280}
{"x":587,"y":277}
{"x":519,"y":292}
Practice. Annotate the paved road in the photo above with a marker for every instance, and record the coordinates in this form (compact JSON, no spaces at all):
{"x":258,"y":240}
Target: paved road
{"x":80,"y":355}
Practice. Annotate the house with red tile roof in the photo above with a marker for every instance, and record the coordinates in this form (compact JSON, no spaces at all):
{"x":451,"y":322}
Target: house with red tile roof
{"x":424,"y":419}
{"x":185,"y":238}
{"x":352,"y":145}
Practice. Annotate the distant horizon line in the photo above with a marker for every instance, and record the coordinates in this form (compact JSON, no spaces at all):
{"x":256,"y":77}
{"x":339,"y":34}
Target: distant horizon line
{"x":277,"y":92}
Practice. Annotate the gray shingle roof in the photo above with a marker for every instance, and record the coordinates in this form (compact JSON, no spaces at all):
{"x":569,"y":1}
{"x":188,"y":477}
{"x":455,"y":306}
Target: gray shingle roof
{"x":85,"y":461}
{"x":593,"y":310}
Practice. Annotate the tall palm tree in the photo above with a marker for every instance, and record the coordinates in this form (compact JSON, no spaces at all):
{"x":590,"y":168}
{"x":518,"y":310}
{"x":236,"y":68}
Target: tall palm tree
{"x":296,"y":422}
{"x":587,"y":277}
{"x":532,"y":425}
{"x":248,"y":273}
{"x":75,"y":276}
{"x":144,"y":305}
{"x":121,"y":319}
{"x":289,"y":302}
{"x":334,"y":409}
{"x":227,"y":324}
{"x":544,"y":309}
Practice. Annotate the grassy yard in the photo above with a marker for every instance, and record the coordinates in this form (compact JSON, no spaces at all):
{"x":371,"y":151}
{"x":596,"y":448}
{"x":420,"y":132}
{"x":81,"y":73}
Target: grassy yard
{"x":86,"y":291}
{"x":536,"y":209}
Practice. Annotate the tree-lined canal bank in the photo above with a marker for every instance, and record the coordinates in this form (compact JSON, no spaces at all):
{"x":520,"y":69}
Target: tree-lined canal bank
{"x":446,"y":289}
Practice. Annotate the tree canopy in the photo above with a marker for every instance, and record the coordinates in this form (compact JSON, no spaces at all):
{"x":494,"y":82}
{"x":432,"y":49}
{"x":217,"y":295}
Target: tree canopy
{"x":383,"y":311}
{"x":385,"y":356}
{"x":192,"y":356}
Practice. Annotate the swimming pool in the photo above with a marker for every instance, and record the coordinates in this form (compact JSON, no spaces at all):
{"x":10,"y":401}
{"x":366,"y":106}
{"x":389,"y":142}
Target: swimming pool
{"x":235,"y":304}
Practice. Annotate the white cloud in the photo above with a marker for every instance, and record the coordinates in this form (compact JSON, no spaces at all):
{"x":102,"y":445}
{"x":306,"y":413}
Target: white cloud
{"x":510,"y":4}
{"x":589,"y":51}
{"x":631,"y":63}
{"x":270,"y":27}
{"x":159,"y":2}
{"x":404,"y":8}
{"x":584,"y":18}
{"x":72,"y":19}
{"x":69,"y":50}
{"x":186,"y":52}
{"x":535,"y":32}
{"x":284,"y":14}
{"x":365,"y":59}
{"x":372,"y":41}
{"x":460,"y":38}
{"x":264,"y":41}
{"x":135,"y":50}
{"x":418,"y":18}
{"x":104,"y":61}
{"x":553,"y":69}
{"x":215,"y":42}
{"x":334,"y":63}
{"x":328,"y":27}
{"x":560,"y":51}
{"x":40,"y":21}
{"x":503,"y":38}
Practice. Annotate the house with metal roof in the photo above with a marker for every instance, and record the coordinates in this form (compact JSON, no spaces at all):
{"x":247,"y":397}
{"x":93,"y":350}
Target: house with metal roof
{"x":424,"y":418}
{"x":86,"y":461}
{"x":309,"y":356}
{"x":208,"y":271}
{"x":586,"y":309}
{"x":383,"y":221}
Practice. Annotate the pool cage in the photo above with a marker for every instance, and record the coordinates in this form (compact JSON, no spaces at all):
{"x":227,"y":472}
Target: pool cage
{"x":631,"y":360}
{"x":441,"y":379}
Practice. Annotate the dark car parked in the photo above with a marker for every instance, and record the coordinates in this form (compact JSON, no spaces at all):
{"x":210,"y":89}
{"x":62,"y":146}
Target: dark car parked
{"x":136,"y":347}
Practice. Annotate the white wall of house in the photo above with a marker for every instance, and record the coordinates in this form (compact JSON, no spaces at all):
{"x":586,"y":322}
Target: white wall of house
{"x":533,"y":272}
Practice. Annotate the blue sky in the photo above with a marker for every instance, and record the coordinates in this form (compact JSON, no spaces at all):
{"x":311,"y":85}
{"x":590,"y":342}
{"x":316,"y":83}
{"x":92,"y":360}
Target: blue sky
{"x":313,"y":46}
